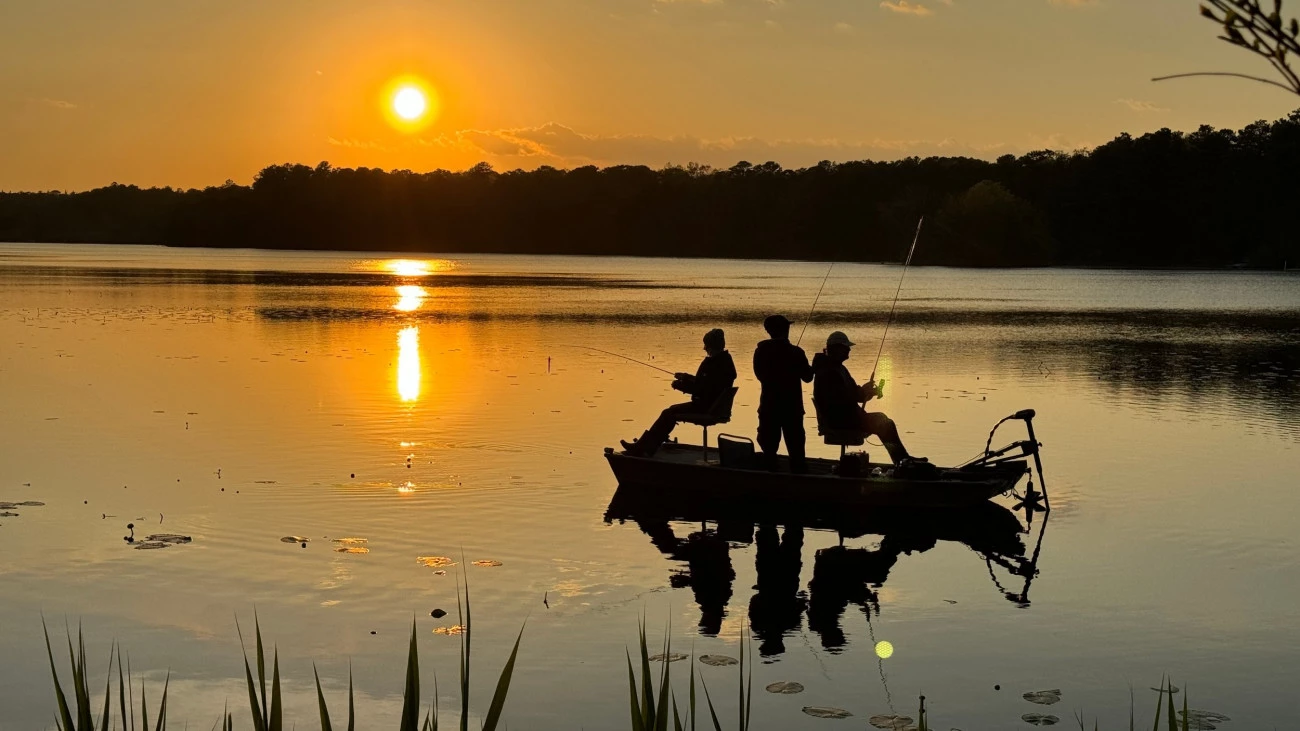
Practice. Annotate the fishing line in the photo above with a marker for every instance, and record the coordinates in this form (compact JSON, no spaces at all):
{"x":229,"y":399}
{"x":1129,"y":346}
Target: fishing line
{"x":624,"y":357}
{"x":890,"y":321}
{"x":808,"y":319}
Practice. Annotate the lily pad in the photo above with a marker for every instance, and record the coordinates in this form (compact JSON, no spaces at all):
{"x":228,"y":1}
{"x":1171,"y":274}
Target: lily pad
{"x":718,"y":661}
{"x":147,"y":545}
{"x":1039,"y":719}
{"x":1044,"y":697}
{"x":173,"y":538}
{"x":7,"y":514}
{"x":294,"y":539}
{"x":486,"y":562}
{"x":455,"y":629}
{"x":1167,"y":689}
{"x":352,"y":549}
{"x":670,"y":657}
{"x":894,"y":723}
{"x":825,"y":712}
{"x":1203,"y":720}
{"x":351,"y":541}
{"x":434,"y":562}
{"x":785,"y":687}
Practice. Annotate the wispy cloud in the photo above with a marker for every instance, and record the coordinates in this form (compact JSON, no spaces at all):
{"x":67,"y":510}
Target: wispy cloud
{"x":842,"y":28}
{"x":1074,"y":3}
{"x":57,"y":103}
{"x":906,"y":8}
{"x":1138,"y":105}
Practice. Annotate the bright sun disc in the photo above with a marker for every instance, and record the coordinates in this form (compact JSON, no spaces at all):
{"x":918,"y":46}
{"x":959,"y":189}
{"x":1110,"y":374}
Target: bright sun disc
{"x":409,"y":103}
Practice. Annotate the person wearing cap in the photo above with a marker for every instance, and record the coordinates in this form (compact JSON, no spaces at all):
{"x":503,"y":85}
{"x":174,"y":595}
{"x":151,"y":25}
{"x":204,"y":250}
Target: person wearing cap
{"x":841,"y":402}
{"x":714,"y":377}
{"x":781,"y":368}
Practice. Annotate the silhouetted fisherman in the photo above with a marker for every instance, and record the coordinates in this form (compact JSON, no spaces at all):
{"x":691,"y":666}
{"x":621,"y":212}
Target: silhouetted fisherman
{"x":782,"y":369}
{"x":714,"y":378}
{"x":838,"y":397}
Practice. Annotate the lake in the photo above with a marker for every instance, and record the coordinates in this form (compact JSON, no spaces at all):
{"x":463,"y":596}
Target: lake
{"x":451,"y":408}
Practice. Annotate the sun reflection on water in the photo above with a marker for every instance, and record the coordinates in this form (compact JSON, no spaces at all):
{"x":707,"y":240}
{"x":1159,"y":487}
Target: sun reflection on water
{"x":410,"y":297}
{"x":408,"y":364}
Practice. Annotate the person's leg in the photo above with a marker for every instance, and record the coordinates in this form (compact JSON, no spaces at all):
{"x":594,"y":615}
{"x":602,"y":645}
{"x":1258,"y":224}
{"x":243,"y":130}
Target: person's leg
{"x":769,"y":440}
{"x":794,"y":443}
{"x":657,"y":434}
{"x":876,"y":423}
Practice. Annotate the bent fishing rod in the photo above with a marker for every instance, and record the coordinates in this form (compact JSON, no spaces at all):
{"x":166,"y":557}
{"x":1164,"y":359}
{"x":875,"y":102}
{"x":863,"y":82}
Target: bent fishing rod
{"x":890,"y":321}
{"x":624,"y":357}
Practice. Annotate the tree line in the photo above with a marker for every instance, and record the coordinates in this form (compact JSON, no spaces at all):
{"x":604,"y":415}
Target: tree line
{"x":1209,"y":198}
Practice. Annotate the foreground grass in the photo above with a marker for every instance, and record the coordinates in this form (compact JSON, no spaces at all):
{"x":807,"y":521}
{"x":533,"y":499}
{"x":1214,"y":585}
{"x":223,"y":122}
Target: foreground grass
{"x":651,"y":708}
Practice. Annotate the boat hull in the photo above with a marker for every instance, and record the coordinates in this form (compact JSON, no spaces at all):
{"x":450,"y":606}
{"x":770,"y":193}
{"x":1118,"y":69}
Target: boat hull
{"x":685,"y":469}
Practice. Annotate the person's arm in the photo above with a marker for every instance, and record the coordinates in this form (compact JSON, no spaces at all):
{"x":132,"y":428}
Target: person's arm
{"x":802,"y":365}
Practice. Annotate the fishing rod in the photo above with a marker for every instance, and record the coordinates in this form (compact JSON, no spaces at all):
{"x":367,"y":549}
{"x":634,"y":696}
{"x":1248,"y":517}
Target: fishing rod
{"x":890,"y":321}
{"x":808,"y":319}
{"x":624,"y":357}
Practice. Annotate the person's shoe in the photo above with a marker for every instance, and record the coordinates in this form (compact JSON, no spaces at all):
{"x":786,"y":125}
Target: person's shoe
{"x":631,"y":447}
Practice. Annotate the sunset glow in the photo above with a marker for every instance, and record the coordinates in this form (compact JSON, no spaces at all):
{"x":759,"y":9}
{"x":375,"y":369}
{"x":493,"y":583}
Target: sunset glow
{"x":409,"y":103}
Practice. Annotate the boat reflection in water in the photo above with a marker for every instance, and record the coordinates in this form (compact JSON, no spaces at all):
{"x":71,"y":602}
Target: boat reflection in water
{"x":841,"y":575}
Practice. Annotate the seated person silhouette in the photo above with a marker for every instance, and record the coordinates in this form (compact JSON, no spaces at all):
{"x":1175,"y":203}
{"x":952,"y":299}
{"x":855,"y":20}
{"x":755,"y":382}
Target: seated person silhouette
{"x":714,"y":378}
{"x":841,"y":402}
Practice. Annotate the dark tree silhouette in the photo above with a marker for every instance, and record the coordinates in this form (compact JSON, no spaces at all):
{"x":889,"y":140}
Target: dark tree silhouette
{"x":1210,"y":198}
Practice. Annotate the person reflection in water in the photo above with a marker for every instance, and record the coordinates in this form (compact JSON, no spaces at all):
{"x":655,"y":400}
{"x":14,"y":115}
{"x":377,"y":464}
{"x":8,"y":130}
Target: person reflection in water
{"x":777,"y":605}
{"x":714,"y":378}
{"x":708,"y":570}
{"x":781,"y":368}
{"x":838,"y":396}
{"x":843,"y":576}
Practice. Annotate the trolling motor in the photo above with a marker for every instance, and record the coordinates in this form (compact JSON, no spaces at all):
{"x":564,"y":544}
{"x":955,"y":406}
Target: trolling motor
{"x":1018,"y":450}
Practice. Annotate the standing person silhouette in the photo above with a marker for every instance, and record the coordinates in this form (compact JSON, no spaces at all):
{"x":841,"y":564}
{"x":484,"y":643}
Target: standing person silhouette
{"x":782,"y":368}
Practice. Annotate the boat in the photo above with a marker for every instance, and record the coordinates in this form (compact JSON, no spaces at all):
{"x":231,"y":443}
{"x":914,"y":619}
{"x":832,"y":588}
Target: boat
{"x":734,"y":473}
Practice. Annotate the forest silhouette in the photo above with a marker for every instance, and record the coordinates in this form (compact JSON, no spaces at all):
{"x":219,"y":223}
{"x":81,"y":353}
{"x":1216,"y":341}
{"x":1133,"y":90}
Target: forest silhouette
{"x":1210,"y":198}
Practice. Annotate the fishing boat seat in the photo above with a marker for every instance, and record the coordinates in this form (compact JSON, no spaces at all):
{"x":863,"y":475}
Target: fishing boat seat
{"x":840,"y":437}
{"x":718,"y":413}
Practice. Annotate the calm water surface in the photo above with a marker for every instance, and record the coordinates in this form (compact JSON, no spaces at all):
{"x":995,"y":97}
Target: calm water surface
{"x":232,"y":395}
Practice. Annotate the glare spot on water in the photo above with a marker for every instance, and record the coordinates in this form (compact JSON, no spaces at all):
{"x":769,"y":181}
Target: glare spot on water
{"x":408,"y":364}
{"x":410,"y":297}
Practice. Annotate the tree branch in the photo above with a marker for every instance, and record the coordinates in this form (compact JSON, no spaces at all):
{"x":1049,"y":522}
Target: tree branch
{"x":1228,"y":73}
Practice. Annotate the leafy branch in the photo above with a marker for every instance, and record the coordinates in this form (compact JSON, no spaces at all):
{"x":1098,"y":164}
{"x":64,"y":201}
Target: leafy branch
{"x":1246,"y":24}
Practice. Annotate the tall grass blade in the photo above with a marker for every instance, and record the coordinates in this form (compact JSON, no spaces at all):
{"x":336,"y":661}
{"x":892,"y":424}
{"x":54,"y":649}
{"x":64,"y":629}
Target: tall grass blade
{"x":277,"y":714}
{"x":325,"y":724}
{"x":130,"y":691}
{"x":1186,"y":718}
{"x":144,"y":708}
{"x":81,"y":688}
{"x":108,"y":690}
{"x":411,"y":695}
{"x":121,"y":692}
{"x":261,"y":671}
{"x":64,"y":718}
{"x":1159,"y":702}
{"x":259,"y":721}
{"x":462,"y":615}
{"x":677,"y":719}
{"x":503,"y":686}
{"x":1132,"y":717}
{"x":647,"y":692}
{"x":634,"y":707}
{"x":162,"y":707}
{"x":691,"y":710}
{"x":661,"y":706}
{"x":352,"y":711}
{"x":1173,"y":722}
{"x":712,"y":713}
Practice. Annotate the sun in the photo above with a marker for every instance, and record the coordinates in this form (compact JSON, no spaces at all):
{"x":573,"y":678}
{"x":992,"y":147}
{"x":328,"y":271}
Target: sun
{"x":409,"y":103}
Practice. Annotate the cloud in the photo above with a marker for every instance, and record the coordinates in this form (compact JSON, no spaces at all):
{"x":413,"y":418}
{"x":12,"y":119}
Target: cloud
{"x":1074,"y":3}
{"x":57,"y":103}
{"x":906,"y":8}
{"x":561,"y":146}
{"x":842,"y":27}
{"x":1138,"y":105}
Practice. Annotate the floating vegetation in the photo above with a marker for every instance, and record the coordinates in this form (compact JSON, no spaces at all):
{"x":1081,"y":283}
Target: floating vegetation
{"x":1170,"y":689}
{"x":718,"y":661}
{"x":440,"y":572}
{"x":294,"y":539}
{"x":1044,"y":697}
{"x":351,"y":541}
{"x":486,"y":562}
{"x":351,"y":549}
{"x":825,"y":712}
{"x":1194,"y":720}
{"x":168,"y":538}
{"x":438,"y":613}
{"x":435,"y":562}
{"x":1039,"y":719}
{"x":7,"y":514}
{"x":264,"y":482}
{"x":23,"y":504}
{"x":455,"y":629}
{"x":785,"y":687}
{"x":668,"y":657}
{"x":893,"y":722}
{"x":147,"y":545}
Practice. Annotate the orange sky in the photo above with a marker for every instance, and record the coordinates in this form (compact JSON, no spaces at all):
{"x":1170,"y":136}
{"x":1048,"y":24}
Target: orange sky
{"x":193,"y":93}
